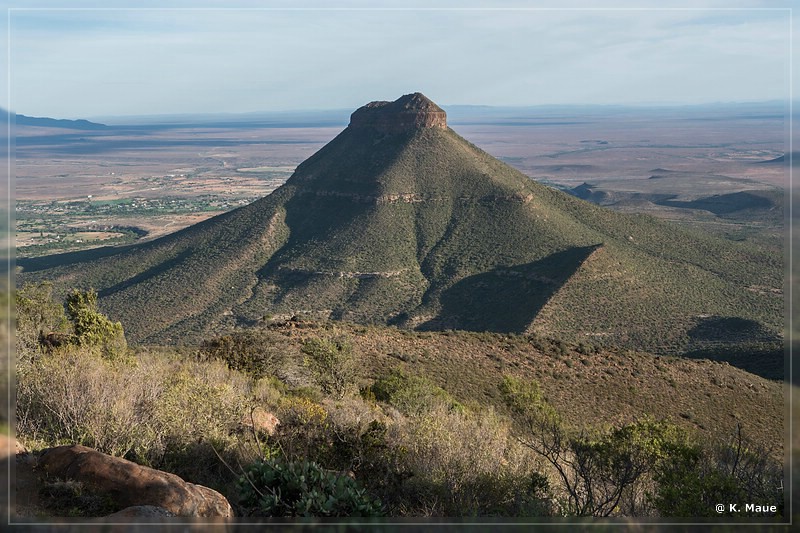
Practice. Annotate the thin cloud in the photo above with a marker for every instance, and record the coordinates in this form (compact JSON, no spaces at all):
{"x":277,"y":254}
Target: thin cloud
{"x":88,"y":63}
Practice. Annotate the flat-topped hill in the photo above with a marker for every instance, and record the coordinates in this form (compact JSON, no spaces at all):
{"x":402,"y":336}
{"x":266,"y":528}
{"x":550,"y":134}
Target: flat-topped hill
{"x":399,"y":220}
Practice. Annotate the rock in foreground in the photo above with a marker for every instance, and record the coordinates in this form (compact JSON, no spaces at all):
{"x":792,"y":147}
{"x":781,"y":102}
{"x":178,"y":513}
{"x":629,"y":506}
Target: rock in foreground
{"x":130,"y":485}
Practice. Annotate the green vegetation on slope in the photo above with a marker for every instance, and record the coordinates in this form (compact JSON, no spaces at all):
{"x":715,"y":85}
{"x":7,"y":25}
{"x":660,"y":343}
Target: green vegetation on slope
{"x":421,"y":229}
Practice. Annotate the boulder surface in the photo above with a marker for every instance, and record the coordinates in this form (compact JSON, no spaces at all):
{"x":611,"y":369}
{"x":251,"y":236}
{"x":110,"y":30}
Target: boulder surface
{"x":131,"y":485}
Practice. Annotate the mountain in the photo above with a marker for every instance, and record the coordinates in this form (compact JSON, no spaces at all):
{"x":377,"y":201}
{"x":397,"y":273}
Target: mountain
{"x":45,"y":122}
{"x":726,"y":204}
{"x":400,"y":221}
{"x":590,"y":193}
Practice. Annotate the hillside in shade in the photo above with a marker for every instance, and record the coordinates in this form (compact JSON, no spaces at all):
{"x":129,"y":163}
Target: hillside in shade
{"x":46,"y":122}
{"x":399,"y":220}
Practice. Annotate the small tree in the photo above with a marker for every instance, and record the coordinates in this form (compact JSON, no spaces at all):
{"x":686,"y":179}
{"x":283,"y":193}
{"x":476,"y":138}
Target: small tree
{"x":697,"y":478}
{"x":596,"y":471}
{"x":332,"y":363}
{"x":92,"y":328}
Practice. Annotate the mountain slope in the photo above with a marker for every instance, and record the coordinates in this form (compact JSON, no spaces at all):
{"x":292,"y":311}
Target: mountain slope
{"x":46,"y":122}
{"x":400,"y":220}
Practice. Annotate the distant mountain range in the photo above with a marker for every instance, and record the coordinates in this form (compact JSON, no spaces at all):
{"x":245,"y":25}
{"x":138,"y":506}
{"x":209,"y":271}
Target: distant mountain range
{"x":45,"y":122}
{"x":400,"y":221}
{"x":458,"y":114}
{"x":727,"y":204}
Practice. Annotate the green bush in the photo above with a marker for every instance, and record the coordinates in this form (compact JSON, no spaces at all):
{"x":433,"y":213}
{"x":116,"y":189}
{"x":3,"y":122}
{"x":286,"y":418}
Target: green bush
{"x":411,"y":395}
{"x":37,"y":314}
{"x":256,"y":353}
{"x":686,"y":488}
{"x":332,"y":363}
{"x":525,"y":399}
{"x":93,"y":328}
{"x":697,"y":477}
{"x":302,"y":488}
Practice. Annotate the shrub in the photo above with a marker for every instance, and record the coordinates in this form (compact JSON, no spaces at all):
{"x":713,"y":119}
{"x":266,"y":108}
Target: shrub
{"x":465,"y":464}
{"x":332,"y":364}
{"x":193,"y":407}
{"x":304,"y":428}
{"x":695,"y":478}
{"x":561,"y":347}
{"x":268,"y":392}
{"x":162,"y":412}
{"x":357,"y":432}
{"x":346,"y":435}
{"x":256,"y":353}
{"x":412,"y":395}
{"x":74,"y":396}
{"x":37,"y":314}
{"x":302,"y":411}
{"x":93,"y":328}
{"x":276,"y":487}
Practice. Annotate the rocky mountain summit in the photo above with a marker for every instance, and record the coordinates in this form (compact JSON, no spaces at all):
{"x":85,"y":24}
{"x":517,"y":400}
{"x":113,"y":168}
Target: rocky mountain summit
{"x":409,"y":112}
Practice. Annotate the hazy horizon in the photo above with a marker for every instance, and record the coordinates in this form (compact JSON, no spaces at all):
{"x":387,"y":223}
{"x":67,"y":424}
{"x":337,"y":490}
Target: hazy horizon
{"x":457,"y":109}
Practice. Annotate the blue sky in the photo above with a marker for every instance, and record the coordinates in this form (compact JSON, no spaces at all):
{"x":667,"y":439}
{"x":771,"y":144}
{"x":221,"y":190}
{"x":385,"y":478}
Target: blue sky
{"x":93,"y":62}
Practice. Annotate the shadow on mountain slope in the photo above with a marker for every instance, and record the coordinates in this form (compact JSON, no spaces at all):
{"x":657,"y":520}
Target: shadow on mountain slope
{"x":34,"y":264}
{"x":740,"y":342}
{"x":507,"y":299}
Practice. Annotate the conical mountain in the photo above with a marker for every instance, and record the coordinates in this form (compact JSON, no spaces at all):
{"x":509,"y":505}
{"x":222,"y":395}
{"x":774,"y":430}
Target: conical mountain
{"x":400,"y":220}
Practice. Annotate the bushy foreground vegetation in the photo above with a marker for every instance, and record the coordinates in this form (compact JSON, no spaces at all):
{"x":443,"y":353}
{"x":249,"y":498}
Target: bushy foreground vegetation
{"x":276,"y":487}
{"x":398,"y":445}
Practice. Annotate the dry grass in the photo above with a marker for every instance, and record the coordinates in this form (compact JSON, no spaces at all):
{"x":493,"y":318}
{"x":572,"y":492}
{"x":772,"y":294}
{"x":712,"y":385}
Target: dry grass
{"x":163,"y":412}
{"x":616,"y":387}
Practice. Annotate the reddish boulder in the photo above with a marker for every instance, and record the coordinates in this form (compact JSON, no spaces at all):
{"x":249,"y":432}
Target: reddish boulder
{"x":129,"y":484}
